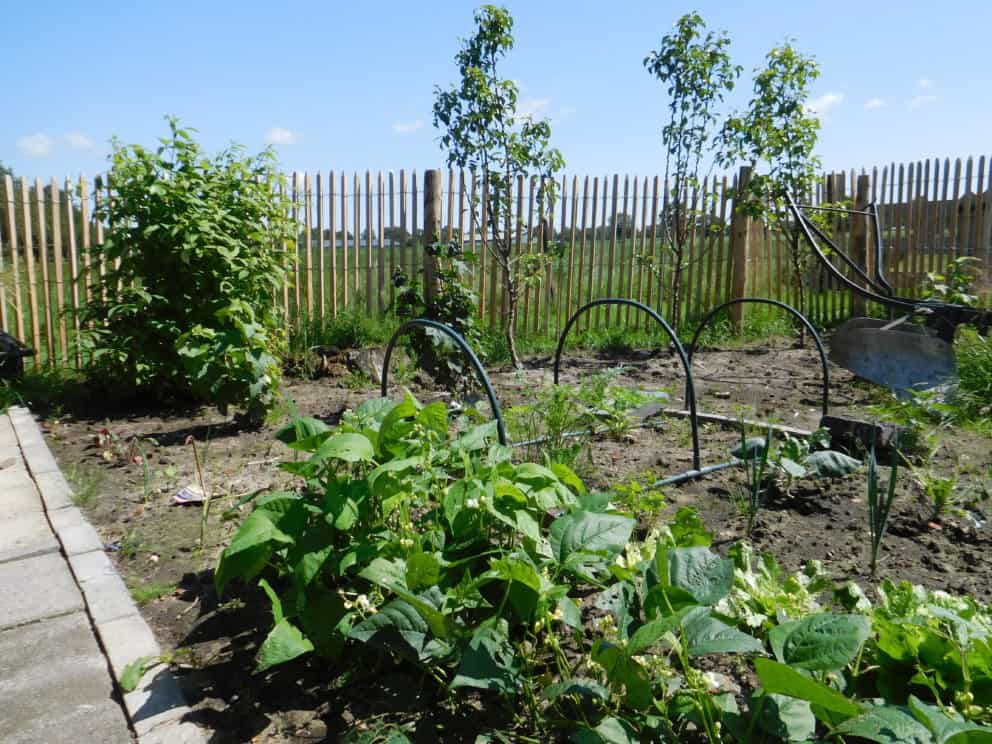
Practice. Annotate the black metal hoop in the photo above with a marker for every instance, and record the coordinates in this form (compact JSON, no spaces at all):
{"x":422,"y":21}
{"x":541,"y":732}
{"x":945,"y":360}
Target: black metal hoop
{"x":765,"y":301}
{"x":463,"y":346}
{"x":690,"y":388}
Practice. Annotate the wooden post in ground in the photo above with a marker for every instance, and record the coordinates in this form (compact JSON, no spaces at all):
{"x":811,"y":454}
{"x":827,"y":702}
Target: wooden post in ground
{"x":861,"y":232}
{"x":432,"y":229}
{"x":740,"y":248}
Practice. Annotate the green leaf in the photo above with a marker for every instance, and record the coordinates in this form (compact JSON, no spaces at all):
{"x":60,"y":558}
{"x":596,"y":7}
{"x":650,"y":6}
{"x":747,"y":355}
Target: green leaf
{"x":702,"y":573}
{"x":396,"y":627}
{"x":587,"y":688}
{"x":567,"y":476}
{"x":688,"y":530}
{"x":830,"y":464}
{"x":434,"y":416}
{"x":422,"y":570}
{"x":304,"y":434}
{"x":489,"y":663}
{"x":586,"y":531}
{"x":785,"y":718}
{"x":277,"y":613}
{"x":609,"y":731}
{"x":250,"y":550}
{"x":284,"y":642}
{"x":650,"y":633}
{"x":946,"y":729}
{"x":784,"y":680}
{"x":823,"y":643}
{"x":347,"y":446}
{"x":133,"y":672}
{"x":751,"y":449}
{"x":793,"y":468}
{"x":705,"y":634}
{"x":886,"y":725}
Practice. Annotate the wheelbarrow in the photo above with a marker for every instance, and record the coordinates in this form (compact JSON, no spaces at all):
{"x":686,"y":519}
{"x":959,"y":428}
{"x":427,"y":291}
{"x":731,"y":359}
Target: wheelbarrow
{"x":913,"y":350}
{"x":12,"y":353}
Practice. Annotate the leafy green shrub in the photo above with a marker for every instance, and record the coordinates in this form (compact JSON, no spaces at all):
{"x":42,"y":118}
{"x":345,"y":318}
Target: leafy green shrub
{"x":194,"y":260}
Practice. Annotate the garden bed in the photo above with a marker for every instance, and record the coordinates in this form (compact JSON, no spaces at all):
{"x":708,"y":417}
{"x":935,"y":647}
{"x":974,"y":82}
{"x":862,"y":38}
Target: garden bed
{"x":127,"y":468}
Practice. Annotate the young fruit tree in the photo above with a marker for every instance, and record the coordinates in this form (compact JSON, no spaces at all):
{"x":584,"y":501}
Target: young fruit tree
{"x":699,"y":74}
{"x":482,"y":131}
{"x":778,"y":131}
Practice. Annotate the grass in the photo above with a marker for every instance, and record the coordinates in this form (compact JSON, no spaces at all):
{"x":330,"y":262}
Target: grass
{"x":143,"y":593}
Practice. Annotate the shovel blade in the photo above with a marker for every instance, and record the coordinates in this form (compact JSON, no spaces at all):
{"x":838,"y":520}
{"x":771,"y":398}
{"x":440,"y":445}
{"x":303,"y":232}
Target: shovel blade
{"x":902,"y":358}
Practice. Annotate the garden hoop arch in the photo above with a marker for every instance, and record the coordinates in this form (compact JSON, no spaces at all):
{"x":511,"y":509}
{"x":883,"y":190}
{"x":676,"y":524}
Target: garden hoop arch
{"x":776,"y":303}
{"x":463,"y":346}
{"x":690,"y":388}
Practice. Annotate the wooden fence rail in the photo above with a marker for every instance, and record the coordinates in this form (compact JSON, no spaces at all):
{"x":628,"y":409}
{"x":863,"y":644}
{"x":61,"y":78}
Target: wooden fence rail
{"x":356,"y":230}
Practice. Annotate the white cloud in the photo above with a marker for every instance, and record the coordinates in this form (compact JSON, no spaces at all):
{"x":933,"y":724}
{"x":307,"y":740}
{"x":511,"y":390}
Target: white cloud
{"x":281,"y":136}
{"x":875,"y":103}
{"x":824,"y":103}
{"x":921,"y":101}
{"x":924,"y":83}
{"x":36,"y":145}
{"x":532,"y":107}
{"x":404,"y":127}
{"x":78,"y":141}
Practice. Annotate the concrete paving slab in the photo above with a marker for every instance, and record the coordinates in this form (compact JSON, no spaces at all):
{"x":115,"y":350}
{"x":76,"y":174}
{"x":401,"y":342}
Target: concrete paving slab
{"x":6,"y":430}
{"x":20,"y":498}
{"x":11,"y":478}
{"x":36,"y":588}
{"x":108,"y":599}
{"x":26,"y":429}
{"x":55,"y":686}
{"x":157,"y":700}
{"x":25,"y":535}
{"x":39,"y":458}
{"x":56,"y":492}
{"x":125,"y":640}
{"x":74,"y":532}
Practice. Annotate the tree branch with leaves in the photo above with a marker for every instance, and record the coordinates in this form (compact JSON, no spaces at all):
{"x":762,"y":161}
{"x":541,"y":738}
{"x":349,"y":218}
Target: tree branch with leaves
{"x":778,"y":131}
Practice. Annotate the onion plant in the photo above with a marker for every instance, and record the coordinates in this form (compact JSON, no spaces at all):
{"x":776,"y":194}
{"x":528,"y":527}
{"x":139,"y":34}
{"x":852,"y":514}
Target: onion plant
{"x":879,"y":505}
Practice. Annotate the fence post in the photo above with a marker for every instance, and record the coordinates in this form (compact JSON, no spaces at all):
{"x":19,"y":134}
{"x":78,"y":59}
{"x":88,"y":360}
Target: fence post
{"x":740,"y":239}
{"x":860,"y":233}
{"x":432,"y":228}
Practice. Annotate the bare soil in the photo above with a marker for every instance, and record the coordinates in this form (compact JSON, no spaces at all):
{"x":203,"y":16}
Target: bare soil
{"x":126,"y":478}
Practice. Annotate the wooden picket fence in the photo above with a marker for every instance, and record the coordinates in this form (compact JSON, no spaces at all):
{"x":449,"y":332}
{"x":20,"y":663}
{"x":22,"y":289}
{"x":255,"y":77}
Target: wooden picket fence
{"x":356,"y":230}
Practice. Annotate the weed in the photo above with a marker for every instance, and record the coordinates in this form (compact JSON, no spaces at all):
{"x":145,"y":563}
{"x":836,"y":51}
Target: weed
{"x":940,"y":491}
{"x":349,"y":330}
{"x":131,"y":544}
{"x":646,"y":501}
{"x":86,"y":484}
{"x":358,"y":380}
{"x":143,"y":593}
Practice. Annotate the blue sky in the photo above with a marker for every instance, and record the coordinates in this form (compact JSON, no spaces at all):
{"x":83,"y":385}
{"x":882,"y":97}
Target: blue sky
{"x":343,"y":85}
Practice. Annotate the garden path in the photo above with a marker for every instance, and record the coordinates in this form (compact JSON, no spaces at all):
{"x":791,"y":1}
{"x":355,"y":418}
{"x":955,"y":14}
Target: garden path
{"x":68,"y":626}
